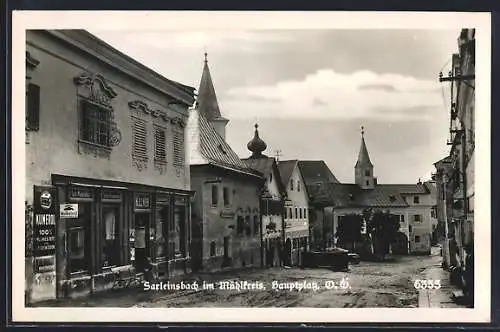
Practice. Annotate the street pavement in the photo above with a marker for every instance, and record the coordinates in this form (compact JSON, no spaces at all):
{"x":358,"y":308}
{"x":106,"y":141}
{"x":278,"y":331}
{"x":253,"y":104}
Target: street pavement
{"x":437,"y":298}
{"x":366,"y":285}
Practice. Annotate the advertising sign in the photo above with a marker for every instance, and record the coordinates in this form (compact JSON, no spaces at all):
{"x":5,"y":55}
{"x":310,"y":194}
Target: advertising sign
{"x":68,"y":211}
{"x":44,"y":226}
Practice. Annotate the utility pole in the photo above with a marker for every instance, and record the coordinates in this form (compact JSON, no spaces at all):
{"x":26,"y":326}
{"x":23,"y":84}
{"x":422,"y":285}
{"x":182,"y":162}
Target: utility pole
{"x":277,"y":154}
{"x":446,"y":230}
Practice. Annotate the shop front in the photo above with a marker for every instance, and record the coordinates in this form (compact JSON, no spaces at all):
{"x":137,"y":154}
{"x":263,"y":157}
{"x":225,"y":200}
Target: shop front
{"x":110,"y":233}
{"x":296,"y":243}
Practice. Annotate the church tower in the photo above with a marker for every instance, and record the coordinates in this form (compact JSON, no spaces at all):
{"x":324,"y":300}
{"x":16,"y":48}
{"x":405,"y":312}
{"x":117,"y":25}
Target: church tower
{"x":363,"y":170}
{"x":207,"y":103}
{"x":257,"y":145}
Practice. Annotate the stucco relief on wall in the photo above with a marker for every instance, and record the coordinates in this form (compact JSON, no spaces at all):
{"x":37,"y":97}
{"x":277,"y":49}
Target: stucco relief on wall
{"x":95,"y":88}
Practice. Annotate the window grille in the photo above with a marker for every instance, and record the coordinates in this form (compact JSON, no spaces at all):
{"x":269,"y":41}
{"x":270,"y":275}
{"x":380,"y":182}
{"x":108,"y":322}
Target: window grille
{"x":96,"y":123}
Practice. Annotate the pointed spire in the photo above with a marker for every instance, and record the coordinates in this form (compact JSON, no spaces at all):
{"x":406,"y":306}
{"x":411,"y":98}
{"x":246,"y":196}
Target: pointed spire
{"x":257,"y":145}
{"x":207,"y":99}
{"x":363,"y":156}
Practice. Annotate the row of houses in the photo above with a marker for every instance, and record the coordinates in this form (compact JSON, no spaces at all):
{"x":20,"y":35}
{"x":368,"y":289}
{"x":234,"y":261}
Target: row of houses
{"x":455,"y":172}
{"x":127,"y":170}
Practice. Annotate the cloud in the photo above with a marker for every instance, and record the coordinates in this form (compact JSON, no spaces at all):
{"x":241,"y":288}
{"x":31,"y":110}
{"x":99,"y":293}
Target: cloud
{"x":318,"y":102}
{"x":328,"y":94}
{"x":384,"y":87}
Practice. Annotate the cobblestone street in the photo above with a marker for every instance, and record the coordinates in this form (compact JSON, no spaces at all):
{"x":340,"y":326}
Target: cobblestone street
{"x":371,"y":284}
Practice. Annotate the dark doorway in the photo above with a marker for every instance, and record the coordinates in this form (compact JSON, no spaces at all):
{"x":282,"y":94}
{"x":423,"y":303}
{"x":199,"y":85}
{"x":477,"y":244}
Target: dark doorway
{"x":140,"y":241}
{"x":400,"y":244}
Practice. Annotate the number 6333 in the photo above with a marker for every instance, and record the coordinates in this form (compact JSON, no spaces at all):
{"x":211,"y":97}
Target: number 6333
{"x":427,"y":284}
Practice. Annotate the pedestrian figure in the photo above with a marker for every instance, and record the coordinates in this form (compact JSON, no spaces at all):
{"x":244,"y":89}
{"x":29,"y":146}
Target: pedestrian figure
{"x":148,"y":270}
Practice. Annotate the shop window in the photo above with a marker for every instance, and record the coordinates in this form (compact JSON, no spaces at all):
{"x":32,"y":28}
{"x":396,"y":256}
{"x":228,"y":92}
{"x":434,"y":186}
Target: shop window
{"x":215,"y":195}
{"x":212,"y":248}
{"x":256,"y":225}
{"x":111,"y":236}
{"x":225,"y":195}
{"x":416,"y":199}
{"x":33,"y":107}
{"x":95,"y":123}
{"x":180,"y":231}
{"x":160,"y":144}
{"x":239,"y":225}
{"x":78,"y":239}
{"x":163,"y":225}
{"x":248,"y":226}
{"x":171,"y":250}
{"x":226,"y":246}
{"x":140,"y":138}
{"x":178,"y":144}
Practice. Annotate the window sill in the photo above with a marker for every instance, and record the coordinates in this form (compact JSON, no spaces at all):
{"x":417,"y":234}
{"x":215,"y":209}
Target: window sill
{"x":96,"y":145}
{"x":97,"y":150}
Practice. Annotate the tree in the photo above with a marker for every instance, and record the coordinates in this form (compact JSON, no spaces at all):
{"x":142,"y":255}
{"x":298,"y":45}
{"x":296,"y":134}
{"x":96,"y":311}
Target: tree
{"x":383,"y":228}
{"x":349,"y":230}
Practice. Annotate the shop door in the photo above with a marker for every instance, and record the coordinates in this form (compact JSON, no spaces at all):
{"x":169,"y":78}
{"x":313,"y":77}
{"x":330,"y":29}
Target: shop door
{"x":141,"y":239}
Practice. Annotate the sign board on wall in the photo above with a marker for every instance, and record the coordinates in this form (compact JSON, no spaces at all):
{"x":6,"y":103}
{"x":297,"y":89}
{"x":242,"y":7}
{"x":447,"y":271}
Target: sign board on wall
{"x":68,"y":211}
{"x":44,"y":226}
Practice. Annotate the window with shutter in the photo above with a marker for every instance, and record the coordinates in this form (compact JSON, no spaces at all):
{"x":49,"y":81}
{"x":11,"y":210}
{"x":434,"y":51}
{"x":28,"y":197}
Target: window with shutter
{"x":178,"y":149}
{"x":160,"y":144}
{"x":33,"y":107}
{"x":139,"y":134}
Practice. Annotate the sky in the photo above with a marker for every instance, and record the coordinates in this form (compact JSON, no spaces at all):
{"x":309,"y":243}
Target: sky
{"x":311,"y":90}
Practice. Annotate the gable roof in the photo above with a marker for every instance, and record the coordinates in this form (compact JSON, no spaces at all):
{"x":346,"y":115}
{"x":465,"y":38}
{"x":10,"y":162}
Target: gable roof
{"x":408,"y":189}
{"x":351,"y":195}
{"x":431,"y":187}
{"x":286,"y":168}
{"x":314,"y":171}
{"x":265,"y":165}
{"x":206,"y":146}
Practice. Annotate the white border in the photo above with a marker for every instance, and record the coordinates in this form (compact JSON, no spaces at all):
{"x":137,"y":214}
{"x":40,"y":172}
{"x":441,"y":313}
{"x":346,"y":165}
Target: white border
{"x":161,"y":20}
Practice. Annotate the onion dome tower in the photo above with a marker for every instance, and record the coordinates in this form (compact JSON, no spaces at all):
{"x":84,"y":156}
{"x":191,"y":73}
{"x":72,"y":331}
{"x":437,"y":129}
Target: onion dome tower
{"x":257,"y":145}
